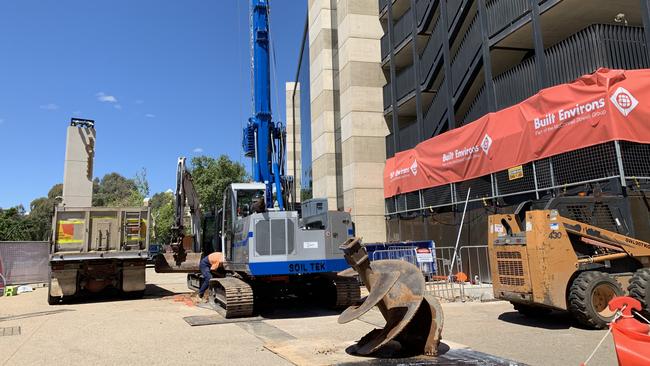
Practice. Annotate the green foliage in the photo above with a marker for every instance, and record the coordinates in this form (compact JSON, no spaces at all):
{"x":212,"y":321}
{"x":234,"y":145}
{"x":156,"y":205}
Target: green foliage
{"x":162,"y":212}
{"x":212,"y":176}
{"x":114,"y":190}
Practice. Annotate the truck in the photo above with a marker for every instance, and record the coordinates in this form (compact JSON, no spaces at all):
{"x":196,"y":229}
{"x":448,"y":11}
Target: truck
{"x":95,"y":248}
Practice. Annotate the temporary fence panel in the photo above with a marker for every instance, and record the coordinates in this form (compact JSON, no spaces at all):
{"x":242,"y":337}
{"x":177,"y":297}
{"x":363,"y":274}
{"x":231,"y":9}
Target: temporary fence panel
{"x":424,"y":261}
{"x":469,"y":279}
{"x":23,"y":262}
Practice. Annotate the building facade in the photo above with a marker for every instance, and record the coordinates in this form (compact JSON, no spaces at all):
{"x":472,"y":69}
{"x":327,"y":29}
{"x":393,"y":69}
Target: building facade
{"x":449,"y":62}
{"x":336,"y":100}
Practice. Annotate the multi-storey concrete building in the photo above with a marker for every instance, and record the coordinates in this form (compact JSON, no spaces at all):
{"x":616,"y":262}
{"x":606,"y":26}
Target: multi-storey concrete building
{"x":336,"y":101}
{"x":448,"y":62}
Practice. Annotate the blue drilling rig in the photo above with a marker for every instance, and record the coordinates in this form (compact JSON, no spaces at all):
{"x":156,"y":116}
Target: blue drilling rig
{"x":270,"y":250}
{"x":263,"y":138}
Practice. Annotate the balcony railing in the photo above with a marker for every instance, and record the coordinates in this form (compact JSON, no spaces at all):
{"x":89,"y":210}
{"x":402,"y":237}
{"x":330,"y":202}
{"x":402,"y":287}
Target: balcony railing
{"x":516,"y":84}
{"x":596,"y":46}
{"x":436,"y":112}
{"x":408,"y":136}
{"x":423,"y":10}
{"x":453,"y":8}
{"x":502,"y":13}
{"x":467,"y":52}
{"x":385,"y":46}
{"x":387,"y":96}
{"x":477,"y":109}
{"x":403,"y":28}
{"x":405,"y":82}
{"x":390,"y":146}
{"x":431,"y":53}
{"x":382,"y":5}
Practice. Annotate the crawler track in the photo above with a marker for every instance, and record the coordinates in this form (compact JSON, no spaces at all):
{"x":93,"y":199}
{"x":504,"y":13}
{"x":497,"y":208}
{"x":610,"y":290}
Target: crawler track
{"x":233,"y":295}
{"x":348,"y":292}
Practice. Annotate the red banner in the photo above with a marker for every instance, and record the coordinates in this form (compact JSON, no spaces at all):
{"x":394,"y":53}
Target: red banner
{"x":605,"y":106}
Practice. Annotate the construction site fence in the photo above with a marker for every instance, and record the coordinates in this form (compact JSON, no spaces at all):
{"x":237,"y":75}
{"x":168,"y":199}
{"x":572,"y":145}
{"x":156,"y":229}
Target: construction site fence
{"x":622,"y":161}
{"x":467,"y":279}
{"x":24,"y":262}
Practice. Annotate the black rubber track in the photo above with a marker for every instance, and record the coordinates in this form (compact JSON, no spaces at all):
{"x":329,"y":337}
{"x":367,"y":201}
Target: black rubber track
{"x":639,"y":287}
{"x":580,"y":302}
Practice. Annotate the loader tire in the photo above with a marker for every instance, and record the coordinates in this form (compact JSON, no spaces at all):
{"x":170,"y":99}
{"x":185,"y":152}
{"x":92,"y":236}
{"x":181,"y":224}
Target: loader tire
{"x":639,"y":287}
{"x":589,"y":296}
{"x":531,"y":310}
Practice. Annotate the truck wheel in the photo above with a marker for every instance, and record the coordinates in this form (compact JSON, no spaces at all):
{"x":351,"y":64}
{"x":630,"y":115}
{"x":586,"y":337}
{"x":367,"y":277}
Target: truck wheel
{"x":639,"y":287}
{"x":531,"y":310}
{"x":52,"y":300}
{"x":589,"y":296}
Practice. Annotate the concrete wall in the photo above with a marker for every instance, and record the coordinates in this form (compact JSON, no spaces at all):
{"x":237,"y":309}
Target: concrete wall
{"x":293,"y":135}
{"x":363,"y":128}
{"x":78,"y":168}
{"x":347,"y":127}
{"x":324,"y":96}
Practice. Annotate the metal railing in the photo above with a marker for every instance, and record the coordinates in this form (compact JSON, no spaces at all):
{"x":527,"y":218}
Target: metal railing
{"x":470,"y":278}
{"x":408,"y":254}
{"x":467,"y":52}
{"x":403,"y":28}
{"x":387,"y":96}
{"x":405,"y":81}
{"x":599,"y":45}
{"x":385,"y":46}
{"x":477,"y":109}
{"x":503,"y":13}
{"x":422,"y":9}
{"x":24,"y":262}
{"x":431,"y":53}
{"x":436,"y":112}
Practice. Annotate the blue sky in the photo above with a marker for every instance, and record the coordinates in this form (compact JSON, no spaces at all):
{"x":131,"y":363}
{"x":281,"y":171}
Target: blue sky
{"x":161,"y":78}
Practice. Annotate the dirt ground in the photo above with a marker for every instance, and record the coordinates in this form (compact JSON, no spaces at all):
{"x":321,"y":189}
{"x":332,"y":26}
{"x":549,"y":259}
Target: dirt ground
{"x":152,"y":331}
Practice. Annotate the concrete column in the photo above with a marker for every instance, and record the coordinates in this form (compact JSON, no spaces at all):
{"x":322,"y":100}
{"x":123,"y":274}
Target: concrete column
{"x":78,"y":168}
{"x":363,"y":129}
{"x":324,"y":98}
{"x":294,"y":166}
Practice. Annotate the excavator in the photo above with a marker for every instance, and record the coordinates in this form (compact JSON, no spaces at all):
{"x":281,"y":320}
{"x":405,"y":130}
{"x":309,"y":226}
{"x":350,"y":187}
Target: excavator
{"x":270,"y":252}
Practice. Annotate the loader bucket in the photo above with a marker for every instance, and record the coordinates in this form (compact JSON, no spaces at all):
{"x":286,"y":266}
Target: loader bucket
{"x":397,"y":288}
{"x":166,"y":263}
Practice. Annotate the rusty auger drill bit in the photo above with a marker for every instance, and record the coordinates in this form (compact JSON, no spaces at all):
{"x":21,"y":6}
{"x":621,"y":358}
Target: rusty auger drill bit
{"x":397,"y":288}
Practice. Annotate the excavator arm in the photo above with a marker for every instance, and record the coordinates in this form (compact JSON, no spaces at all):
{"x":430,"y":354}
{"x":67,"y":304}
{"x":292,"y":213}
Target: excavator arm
{"x":186,"y":249}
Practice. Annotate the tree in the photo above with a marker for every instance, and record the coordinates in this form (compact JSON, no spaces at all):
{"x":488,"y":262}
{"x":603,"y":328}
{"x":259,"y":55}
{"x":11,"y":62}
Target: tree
{"x":212,"y":176}
{"x":162,"y":213}
{"x":116,"y":190}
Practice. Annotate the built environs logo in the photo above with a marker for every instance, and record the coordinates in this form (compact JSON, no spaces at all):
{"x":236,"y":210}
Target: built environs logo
{"x":624,"y":101}
{"x":486,"y":144}
{"x":414,"y":167}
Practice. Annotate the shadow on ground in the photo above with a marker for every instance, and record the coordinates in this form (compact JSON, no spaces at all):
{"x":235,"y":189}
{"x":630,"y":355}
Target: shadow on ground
{"x":282,"y":310}
{"x":111,"y":295}
{"x":554,"y":320}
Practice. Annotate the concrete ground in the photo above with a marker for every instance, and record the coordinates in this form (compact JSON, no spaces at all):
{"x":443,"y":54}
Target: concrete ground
{"x":152,"y":331}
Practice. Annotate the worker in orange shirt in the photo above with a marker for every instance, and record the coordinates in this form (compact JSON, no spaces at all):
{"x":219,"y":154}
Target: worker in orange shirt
{"x":209,"y":263}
